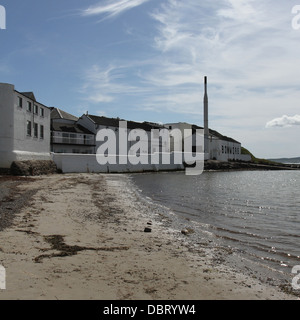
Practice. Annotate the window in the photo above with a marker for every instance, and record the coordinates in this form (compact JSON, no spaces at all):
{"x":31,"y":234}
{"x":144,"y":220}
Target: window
{"x":222,"y":149}
{"x":29,"y":106}
{"x":35,"y":109}
{"x":35,"y":130}
{"x":41,"y":112}
{"x":65,"y":138}
{"x":73,"y":137}
{"x":41,"y":132}
{"x":20,"y":102}
{"x":29,"y":128}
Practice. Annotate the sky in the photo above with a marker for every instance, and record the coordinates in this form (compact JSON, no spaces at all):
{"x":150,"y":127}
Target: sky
{"x":145,"y":60}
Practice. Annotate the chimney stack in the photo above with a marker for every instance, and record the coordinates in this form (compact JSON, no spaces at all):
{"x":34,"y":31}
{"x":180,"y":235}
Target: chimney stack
{"x":206,"y":130}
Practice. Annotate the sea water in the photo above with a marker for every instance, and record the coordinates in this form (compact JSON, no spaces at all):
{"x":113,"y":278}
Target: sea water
{"x":255,"y":213}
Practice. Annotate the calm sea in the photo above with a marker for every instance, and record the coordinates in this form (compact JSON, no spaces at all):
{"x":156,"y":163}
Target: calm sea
{"x":256,"y":213}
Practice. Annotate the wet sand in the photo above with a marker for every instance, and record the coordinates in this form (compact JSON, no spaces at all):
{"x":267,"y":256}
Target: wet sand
{"x":81,"y":236}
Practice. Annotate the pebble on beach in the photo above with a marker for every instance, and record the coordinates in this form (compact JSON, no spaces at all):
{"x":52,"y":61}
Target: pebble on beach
{"x":187,"y":231}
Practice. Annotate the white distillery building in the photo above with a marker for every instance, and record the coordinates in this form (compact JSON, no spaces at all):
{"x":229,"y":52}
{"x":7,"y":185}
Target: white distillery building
{"x":67,"y":136}
{"x":149,"y":144}
{"x":24,"y":127}
{"x":219,"y":147}
{"x":215,"y":145}
{"x":127,"y":151}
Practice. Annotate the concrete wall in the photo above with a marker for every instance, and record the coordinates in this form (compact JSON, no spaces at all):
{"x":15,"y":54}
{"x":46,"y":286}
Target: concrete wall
{"x":79,"y":163}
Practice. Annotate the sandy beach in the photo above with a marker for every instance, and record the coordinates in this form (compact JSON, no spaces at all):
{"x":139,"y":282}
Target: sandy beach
{"x":82,"y":236}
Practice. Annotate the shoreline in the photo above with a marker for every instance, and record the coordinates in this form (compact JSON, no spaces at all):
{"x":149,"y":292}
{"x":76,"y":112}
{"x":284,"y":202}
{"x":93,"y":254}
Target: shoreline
{"x":81,"y":236}
{"x":201,"y":234}
{"x":214,"y":165}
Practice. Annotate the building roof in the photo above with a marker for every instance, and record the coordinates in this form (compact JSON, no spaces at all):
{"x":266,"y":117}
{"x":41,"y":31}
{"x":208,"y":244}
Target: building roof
{"x":114,"y":122}
{"x":69,"y":127}
{"x":29,"y":95}
{"x":60,"y":114}
{"x":216,"y":134}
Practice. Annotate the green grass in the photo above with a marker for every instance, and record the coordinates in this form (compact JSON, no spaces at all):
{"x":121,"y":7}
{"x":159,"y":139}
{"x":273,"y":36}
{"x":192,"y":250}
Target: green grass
{"x":258,"y":160}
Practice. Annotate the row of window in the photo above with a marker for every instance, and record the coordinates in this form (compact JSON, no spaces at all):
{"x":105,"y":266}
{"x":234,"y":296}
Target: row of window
{"x":36,"y":109}
{"x":229,"y":150}
{"x":35,"y":130}
{"x":87,"y":151}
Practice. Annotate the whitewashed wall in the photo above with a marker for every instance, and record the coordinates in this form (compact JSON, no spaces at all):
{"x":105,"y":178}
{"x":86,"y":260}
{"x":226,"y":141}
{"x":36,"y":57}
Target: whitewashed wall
{"x":6,"y":124}
{"x":81,"y":163}
{"x":14,"y":142}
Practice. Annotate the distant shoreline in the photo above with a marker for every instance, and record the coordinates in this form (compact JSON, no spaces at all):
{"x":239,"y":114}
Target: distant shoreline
{"x":233,"y":165}
{"x":209,"y":165}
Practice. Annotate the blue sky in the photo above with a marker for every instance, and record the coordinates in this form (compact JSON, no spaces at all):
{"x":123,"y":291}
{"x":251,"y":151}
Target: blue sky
{"x":146,"y":59}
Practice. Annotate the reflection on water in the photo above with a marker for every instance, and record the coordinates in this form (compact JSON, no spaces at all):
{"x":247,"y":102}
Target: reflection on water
{"x":256,"y":212}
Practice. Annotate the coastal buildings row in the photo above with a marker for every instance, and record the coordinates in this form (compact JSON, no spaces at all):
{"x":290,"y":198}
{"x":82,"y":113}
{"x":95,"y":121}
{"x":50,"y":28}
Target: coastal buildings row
{"x":29,"y":130}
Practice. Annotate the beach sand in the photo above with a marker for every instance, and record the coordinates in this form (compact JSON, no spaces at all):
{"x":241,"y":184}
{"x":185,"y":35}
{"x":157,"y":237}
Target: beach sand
{"x":81,"y":236}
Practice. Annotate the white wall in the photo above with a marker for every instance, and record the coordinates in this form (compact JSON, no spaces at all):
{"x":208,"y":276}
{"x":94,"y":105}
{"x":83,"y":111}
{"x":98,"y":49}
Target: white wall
{"x":14,"y":142}
{"x":223,"y":150}
{"x":175,"y":143}
{"x":23,"y":142}
{"x":6,"y":124}
{"x":66,"y":148}
{"x":80,"y":163}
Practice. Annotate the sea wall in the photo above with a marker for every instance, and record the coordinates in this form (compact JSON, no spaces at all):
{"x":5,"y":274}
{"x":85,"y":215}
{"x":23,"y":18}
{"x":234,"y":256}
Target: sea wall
{"x":87,"y":163}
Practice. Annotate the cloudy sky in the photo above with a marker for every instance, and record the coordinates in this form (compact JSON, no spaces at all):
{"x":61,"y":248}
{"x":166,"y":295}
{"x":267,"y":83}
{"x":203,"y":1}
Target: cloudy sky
{"x":146,"y":59}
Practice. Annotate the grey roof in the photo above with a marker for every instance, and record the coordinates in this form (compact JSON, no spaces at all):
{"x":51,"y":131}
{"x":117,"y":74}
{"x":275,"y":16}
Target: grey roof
{"x":57,"y":113}
{"x":216,"y":134}
{"x":69,"y":127}
{"x":114,"y":122}
{"x":29,"y":95}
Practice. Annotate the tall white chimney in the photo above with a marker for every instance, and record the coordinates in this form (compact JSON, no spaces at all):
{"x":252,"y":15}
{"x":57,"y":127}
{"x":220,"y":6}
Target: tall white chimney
{"x":206,"y":130}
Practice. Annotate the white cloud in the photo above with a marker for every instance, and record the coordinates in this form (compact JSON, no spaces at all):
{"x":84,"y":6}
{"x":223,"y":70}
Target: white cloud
{"x":98,"y":97}
{"x":238,"y":10}
{"x":284,"y":121}
{"x":108,"y":84}
{"x":101,"y":113}
{"x":112,"y":8}
{"x":247,"y":48}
